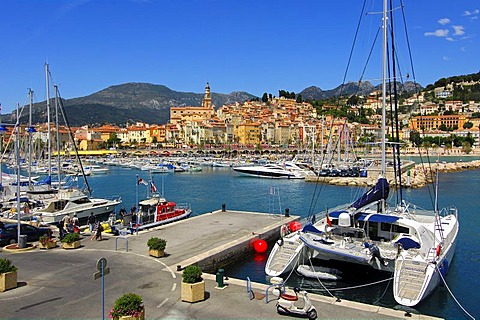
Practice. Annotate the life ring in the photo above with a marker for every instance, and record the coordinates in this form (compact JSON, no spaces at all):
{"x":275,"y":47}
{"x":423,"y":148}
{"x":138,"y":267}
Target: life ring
{"x":283,"y":231}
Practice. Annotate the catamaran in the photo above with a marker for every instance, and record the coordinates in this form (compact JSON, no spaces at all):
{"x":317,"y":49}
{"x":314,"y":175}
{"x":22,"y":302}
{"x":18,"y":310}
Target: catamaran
{"x":416,"y":245}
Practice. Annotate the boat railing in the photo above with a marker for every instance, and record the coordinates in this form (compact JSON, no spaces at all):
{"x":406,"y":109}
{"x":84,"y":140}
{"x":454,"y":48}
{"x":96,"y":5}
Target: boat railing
{"x":184,"y":206}
{"x":115,"y":197}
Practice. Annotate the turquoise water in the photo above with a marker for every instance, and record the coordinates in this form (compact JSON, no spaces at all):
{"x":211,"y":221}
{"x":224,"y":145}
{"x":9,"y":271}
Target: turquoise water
{"x":208,"y":190}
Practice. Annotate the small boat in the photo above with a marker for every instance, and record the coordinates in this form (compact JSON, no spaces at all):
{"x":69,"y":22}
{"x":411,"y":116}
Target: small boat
{"x":156,"y":210}
{"x":322,"y":273}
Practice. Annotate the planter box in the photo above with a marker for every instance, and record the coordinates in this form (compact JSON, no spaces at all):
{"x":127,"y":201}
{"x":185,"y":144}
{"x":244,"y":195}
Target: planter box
{"x":156,"y":253}
{"x":140,"y":317}
{"x":72,"y":245}
{"x":8,"y":281}
{"x":47,"y":245}
{"x":193,"y":292}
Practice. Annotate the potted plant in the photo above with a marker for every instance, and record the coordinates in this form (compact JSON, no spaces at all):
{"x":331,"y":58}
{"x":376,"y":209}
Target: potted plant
{"x":71,"y":241}
{"x":156,"y":247}
{"x":8,"y":275}
{"x":129,"y":306}
{"x":193,"y":285}
{"x":46,"y":242}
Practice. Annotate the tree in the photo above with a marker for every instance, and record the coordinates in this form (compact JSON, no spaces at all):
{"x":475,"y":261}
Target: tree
{"x":264,"y":97}
{"x":299,"y":98}
{"x":415,"y":138}
{"x":468,"y":125}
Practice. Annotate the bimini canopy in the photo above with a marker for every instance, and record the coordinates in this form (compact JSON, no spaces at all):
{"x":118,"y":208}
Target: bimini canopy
{"x":378,"y":218}
{"x":408,"y":242}
{"x":379,"y":191}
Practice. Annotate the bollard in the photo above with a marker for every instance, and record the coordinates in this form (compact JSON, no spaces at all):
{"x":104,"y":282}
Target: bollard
{"x":223,"y":207}
{"x":287,"y":212}
{"x":219,"y":278}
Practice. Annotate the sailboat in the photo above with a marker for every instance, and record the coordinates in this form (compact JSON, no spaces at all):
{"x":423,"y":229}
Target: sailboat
{"x":68,"y":200}
{"x":416,"y":245}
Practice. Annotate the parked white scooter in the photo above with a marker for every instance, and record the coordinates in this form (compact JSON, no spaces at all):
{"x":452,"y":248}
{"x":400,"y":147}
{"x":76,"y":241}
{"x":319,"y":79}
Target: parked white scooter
{"x":288,"y":304}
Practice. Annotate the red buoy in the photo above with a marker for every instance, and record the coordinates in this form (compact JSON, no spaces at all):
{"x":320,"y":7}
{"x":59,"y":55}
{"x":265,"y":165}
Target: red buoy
{"x":294,"y":226}
{"x":260,"y":246}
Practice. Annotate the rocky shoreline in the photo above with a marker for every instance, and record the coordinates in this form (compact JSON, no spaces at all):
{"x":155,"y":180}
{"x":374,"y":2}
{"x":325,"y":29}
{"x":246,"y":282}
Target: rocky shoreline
{"x":415,"y":176}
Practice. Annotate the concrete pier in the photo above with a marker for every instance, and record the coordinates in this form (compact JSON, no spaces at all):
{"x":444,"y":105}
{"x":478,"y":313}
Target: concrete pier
{"x":59,"y":283}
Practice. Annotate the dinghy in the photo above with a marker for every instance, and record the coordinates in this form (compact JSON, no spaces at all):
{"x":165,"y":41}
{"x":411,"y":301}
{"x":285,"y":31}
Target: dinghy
{"x":322,"y":273}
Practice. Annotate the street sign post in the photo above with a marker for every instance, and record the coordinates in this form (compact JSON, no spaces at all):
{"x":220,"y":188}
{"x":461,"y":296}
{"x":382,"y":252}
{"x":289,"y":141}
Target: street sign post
{"x":102,"y":271}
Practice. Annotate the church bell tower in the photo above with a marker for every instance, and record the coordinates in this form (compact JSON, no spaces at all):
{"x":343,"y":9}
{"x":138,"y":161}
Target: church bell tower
{"x":207,"y":99}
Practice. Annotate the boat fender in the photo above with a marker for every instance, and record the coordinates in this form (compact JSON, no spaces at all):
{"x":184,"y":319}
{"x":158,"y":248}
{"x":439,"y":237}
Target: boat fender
{"x":439,"y":250}
{"x":283,"y":231}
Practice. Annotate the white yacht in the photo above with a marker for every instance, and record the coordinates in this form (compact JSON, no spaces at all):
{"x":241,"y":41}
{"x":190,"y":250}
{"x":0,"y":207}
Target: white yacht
{"x":78,"y":203}
{"x":286,"y":170}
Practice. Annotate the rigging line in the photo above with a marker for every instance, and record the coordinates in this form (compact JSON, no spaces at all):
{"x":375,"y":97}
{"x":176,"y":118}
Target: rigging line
{"x":311,"y":264}
{"x":353,"y":46}
{"x":451,"y":293}
{"x":356,"y":287}
{"x":65,"y":119}
{"x":316,"y":196}
{"x":370,"y":54}
{"x":408,"y":42}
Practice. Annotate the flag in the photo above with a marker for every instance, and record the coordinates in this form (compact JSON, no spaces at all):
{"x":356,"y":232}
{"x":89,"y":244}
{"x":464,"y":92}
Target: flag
{"x":141,"y":181}
{"x":152,"y":187}
{"x":328,"y":221}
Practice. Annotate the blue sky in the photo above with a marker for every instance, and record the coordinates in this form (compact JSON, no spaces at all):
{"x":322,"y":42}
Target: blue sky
{"x":251,"y":45}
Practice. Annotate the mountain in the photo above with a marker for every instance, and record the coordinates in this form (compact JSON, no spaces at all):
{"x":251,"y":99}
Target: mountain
{"x":350,"y":88}
{"x":132,"y":102}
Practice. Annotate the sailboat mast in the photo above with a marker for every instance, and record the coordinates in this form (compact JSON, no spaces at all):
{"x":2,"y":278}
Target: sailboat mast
{"x":30,"y":93}
{"x":384,"y":88}
{"x":49,"y":143}
{"x":55,"y":87}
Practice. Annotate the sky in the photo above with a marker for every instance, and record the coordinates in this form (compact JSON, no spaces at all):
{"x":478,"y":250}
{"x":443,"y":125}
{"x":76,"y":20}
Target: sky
{"x":255,"y":46}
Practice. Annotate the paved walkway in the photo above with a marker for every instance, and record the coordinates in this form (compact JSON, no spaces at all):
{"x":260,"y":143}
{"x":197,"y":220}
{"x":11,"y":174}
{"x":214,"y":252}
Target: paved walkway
{"x":59,"y":283}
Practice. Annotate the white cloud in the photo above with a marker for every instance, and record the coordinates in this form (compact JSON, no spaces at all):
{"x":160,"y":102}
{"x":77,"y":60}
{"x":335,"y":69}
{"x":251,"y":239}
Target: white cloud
{"x":459,"y":30}
{"x":463,"y":49}
{"x":444,"y":21}
{"x":450,"y":39}
{"x":471,"y":13}
{"x":437,"y":33}
{"x":446,"y":58}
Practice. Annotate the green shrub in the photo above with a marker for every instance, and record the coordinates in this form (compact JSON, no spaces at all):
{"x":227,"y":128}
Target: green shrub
{"x":192,"y":274}
{"x":71,"y":237}
{"x":6,"y":266}
{"x":130,"y":304}
{"x":156,"y":243}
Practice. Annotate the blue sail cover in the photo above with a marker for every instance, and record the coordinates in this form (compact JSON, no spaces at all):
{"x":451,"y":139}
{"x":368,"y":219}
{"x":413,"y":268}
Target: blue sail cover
{"x":377,"y":192}
{"x":47,"y":180}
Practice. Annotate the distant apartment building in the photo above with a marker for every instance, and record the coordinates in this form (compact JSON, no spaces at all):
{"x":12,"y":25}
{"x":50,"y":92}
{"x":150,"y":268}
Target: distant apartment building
{"x":428,"y":108}
{"x":442,"y":93}
{"x":435,"y":122}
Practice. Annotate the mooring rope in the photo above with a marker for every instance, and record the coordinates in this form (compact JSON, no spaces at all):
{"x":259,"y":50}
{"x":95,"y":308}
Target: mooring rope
{"x":356,"y":287}
{"x":451,"y":293}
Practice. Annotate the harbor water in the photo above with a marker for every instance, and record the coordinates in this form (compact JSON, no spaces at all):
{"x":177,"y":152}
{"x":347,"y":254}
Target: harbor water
{"x":209,"y":189}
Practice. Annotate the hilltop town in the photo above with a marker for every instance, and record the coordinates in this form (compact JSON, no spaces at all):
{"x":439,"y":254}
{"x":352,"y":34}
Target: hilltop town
{"x":431,"y":118}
